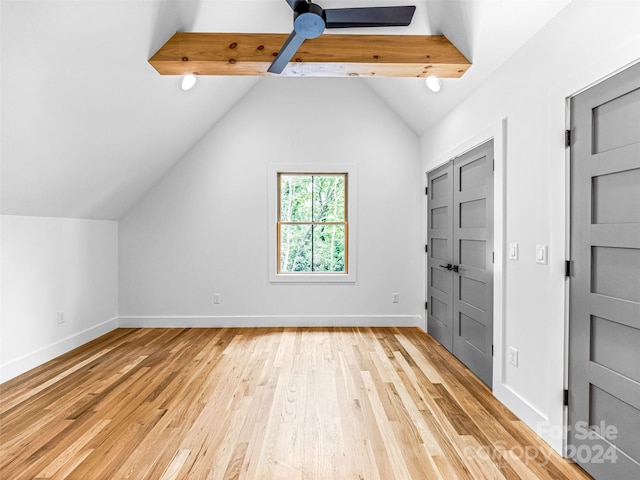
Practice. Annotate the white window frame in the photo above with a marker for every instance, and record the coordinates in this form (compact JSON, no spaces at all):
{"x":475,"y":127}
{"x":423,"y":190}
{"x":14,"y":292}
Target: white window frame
{"x":352,"y":217}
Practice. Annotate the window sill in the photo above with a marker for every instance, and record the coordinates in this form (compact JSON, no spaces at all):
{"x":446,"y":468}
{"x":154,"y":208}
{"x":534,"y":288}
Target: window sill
{"x":293,"y":278}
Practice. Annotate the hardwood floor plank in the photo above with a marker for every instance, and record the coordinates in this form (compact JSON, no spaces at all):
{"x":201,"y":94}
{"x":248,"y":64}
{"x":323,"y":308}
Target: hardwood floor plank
{"x":69,"y":467}
{"x":177,"y":462}
{"x":455,"y":415}
{"x":283,"y":403}
{"x":398,"y":467}
{"x":479,"y":460}
{"x":234,"y":467}
{"x":26,"y":394}
{"x":18,"y":453}
{"x":67,"y":456}
{"x":451,"y":463}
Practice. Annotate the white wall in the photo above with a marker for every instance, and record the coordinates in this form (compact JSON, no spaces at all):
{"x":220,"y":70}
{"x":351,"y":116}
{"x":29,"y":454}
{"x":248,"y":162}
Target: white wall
{"x":203,"y":228}
{"x":586,"y":42}
{"x":52,"y":265}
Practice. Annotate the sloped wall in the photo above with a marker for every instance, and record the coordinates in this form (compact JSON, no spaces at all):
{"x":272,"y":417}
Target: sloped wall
{"x":52,"y":265}
{"x":203,"y":229}
{"x":525,"y":102}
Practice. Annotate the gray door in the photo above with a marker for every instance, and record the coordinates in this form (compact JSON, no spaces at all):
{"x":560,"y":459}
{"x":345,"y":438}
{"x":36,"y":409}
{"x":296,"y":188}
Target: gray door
{"x":460,"y":263}
{"x":440,"y":255}
{"x":473,"y":257}
{"x":604,"y":321}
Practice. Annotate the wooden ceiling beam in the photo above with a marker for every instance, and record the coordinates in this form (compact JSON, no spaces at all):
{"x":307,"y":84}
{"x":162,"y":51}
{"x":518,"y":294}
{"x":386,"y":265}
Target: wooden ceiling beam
{"x":330,"y":55}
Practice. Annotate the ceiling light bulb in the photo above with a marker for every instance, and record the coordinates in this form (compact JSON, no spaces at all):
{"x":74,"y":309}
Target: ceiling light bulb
{"x":188,"y":81}
{"x":434,"y":84}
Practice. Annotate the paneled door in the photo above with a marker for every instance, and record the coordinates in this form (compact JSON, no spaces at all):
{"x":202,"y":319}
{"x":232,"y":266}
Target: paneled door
{"x":440,"y":255}
{"x":460,"y":259}
{"x":604,"y":318}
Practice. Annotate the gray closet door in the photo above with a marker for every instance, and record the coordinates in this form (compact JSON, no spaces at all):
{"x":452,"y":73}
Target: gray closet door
{"x":604,"y":320}
{"x":460,"y":259}
{"x":473,"y":260}
{"x":440,"y":257}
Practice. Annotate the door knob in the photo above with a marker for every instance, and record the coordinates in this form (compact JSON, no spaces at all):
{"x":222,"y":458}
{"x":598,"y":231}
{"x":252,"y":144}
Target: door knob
{"x":448,"y":266}
{"x":455,"y":268}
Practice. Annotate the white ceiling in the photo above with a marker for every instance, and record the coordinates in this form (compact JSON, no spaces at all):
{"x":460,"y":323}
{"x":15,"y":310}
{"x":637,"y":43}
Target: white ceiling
{"x":88,"y":125}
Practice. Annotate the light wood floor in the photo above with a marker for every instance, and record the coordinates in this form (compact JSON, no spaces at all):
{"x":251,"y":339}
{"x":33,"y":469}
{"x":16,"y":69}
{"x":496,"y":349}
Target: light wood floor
{"x":288,"y":403}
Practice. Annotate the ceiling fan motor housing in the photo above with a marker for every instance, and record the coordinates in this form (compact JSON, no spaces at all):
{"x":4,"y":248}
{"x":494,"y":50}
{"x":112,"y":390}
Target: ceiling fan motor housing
{"x":308,"y":20}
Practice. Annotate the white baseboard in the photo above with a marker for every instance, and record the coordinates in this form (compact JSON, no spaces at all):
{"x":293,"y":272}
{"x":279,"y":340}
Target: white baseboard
{"x":34,"y":359}
{"x":530,"y":415}
{"x":270,"y":321}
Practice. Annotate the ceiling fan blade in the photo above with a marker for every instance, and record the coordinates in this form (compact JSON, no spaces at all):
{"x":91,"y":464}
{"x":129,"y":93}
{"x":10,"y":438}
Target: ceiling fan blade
{"x":292,"y":3}
{"x":286,"y":53}
{"x":369,"y":16}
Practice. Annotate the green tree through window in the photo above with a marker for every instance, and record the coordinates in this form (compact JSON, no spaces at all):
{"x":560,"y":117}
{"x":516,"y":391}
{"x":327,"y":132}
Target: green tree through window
{"x":312,"y":223}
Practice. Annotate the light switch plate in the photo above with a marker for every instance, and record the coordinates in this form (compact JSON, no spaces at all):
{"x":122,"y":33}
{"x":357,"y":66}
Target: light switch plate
{"x":542,"y":254}
{"x":513,"y":251}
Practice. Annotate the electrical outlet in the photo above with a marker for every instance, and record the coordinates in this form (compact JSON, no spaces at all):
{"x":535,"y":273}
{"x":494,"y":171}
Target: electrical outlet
{"x":217,"y":298}
{"x":395,"y":298}
{"x":513,"y":356}
{"x":61,"y":318}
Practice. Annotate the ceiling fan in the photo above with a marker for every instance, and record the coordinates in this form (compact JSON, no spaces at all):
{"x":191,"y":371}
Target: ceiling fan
{"x":310,"y":20}
{"x":306,"y":52}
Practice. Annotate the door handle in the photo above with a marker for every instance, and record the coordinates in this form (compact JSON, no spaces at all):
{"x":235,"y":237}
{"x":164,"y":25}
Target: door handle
{"x":448,"y":266}
{"x":455,"y":268}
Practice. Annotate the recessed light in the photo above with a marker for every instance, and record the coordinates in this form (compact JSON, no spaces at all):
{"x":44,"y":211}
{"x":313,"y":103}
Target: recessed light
{"x":188,"y":81}
{"x":434,"y":84}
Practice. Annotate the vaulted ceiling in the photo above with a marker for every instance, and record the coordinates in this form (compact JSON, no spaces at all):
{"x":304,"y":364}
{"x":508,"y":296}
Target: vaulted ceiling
{"x":88,"y":125}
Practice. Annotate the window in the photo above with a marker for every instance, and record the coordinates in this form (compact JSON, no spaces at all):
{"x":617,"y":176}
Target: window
{"x":312,"y":223}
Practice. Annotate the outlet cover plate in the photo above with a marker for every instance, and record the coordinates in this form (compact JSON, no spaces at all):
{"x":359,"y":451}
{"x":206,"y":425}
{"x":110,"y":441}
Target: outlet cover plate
{"x":513,"y":356}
